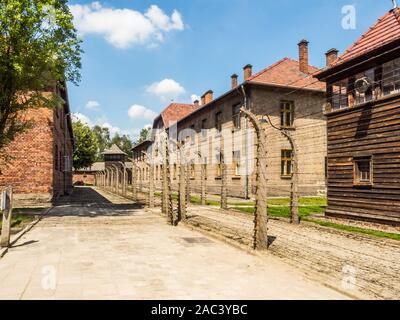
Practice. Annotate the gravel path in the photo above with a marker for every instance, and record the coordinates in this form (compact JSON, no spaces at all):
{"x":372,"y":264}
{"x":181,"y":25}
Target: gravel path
{"x":361,"y":266}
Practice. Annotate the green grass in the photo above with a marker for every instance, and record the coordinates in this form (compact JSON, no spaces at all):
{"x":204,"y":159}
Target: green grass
{"x":18,"y":218}
{"x":306,"y":211}
{"x":375,"y":233}
{"x":284,"y":211}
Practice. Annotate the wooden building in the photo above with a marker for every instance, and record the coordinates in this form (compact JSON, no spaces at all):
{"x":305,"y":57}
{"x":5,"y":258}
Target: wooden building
{"x":363,"y":123}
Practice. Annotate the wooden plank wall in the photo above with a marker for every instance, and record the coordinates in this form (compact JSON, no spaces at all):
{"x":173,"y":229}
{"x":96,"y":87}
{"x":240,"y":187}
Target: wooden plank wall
{"x":372,"y":130}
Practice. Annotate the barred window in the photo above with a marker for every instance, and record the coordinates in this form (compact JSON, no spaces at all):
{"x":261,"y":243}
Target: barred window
{"x":286,"y":163}
{"x":363,"y":171}
{"x":236,"y":116}
{"x":236,"y":163}
{"x":287,"y":113}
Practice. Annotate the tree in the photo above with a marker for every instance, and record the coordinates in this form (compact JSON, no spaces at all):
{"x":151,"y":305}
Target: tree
{"x":103,"y":140}
{"x":85,"y":145}
{"x":144,"y":135}
{"x":39,"y":49}
{"x":123,"y":142}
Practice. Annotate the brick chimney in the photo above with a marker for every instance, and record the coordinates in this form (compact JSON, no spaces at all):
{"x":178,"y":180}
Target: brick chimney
{"x":203,"y":99}
{"x":208,"y":96}
{"x":234,"y":81}
{"x":303,"y":56}
{"x":248,"y":72}
{"x":196,"y":103}
{"x":331,"y":56}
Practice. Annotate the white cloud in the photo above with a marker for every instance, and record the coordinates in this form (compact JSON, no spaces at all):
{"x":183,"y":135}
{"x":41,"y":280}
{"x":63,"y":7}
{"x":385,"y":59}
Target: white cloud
{"x":125,"y":27}
{"x":82,"y":118}
{"x":140,"y":112}
{"x":195,"y":97}
{"x":166,"y":89}
{"x":160,"y":20}
{"x":104,"y":123}
{"x":92,"y":105}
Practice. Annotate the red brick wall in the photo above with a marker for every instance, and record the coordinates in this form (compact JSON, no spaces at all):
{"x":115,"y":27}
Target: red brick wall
{"x":31,"y":166}
{"x":86,"y":178}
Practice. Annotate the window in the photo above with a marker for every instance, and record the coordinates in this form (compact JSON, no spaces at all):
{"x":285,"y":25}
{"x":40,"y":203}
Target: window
{"x":339,"y":95}
{"x":218,"y":121}
{"x":391,"y":77}
{"x":287,"y":113}
{"x":218,"y":171}
{"x":366,"y":92}
{"x":236,"y":116}
{"x":236,"y":163}
{"x":204,"y":128}
{"x":287,"y":163}
{"x":174,"y":174}
{"x":363,"y":171}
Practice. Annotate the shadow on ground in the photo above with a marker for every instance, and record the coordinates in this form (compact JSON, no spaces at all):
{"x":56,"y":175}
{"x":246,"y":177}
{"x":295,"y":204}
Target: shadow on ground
{"x":87,"y":202}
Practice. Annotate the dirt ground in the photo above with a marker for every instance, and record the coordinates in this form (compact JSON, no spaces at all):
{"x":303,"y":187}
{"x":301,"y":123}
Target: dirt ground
{"x":360,"y":266}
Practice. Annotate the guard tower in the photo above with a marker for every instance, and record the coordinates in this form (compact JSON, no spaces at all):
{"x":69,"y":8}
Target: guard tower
{"x":114,"y":156}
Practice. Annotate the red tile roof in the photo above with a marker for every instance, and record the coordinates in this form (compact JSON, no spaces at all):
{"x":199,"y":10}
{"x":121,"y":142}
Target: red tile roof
{"x":384,"y":31}
{"x":286,"y":72}
{"x":175,"y":112}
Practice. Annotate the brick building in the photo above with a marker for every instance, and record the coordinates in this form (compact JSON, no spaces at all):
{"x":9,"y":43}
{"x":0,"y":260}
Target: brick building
{"x":363,"y":121}
{"x":289,"y":95}
{"x":39,"y":160}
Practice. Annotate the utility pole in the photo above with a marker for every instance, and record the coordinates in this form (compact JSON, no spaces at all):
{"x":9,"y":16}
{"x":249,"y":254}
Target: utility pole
{"x":224,"y":192}
{"x":167,"y":196}
{"x":260,"y":237}
{"x":134,"y":175}
{"x":151,"y":180}
{"x":182,"y":191}
{"x":203,"y":180}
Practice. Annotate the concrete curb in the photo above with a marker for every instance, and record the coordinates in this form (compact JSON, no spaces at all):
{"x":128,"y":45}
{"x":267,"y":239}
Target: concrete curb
{"x":19,"y":235}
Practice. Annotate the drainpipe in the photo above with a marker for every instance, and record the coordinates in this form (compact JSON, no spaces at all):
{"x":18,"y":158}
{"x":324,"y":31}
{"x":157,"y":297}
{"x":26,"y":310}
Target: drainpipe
{"x":246,"y":147}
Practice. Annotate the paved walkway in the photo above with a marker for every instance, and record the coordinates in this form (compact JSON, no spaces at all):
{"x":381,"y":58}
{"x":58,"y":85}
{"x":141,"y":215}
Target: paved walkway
{"x":97,"y":246}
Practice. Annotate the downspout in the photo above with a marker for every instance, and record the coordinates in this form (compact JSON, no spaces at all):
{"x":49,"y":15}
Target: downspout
{"x":246,"y":147}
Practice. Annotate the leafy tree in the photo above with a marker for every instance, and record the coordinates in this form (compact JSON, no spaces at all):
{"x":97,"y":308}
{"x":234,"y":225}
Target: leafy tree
{"x":144,"y":135}
{"x":123,"y":142}
{"x":103,"y":140}
{"x":85,"y":145}
{"x":39,"y":49}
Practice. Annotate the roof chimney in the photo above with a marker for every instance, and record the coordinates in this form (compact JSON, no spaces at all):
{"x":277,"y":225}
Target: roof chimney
{"x":248,"y":72}
{"x":196,"y":103}
{"x":203,"y":99}
{"x":331,"y":56}
{"x":234,"y":81}
{"x":208,"y":96}
{"x":303,"y":56}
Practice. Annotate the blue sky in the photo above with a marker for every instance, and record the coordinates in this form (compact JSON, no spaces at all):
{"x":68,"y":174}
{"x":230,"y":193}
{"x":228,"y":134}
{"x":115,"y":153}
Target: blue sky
{"x":140,"y":55}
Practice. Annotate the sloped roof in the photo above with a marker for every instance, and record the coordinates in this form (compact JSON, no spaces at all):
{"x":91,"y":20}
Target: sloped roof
{"x":384,"y":31}
{"x":175,"y":112}
{"x":114,"y":150}
{"x":286,"y":72}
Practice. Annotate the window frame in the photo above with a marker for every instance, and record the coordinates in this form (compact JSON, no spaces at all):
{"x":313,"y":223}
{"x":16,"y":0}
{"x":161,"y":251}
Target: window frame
{"x":284,"y":112}
{"x":236,"y":164}
{"x":357,"y":179}
{"x":236,"y":118}
{"x":218,"y":121}
{"x":285,"y":160}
